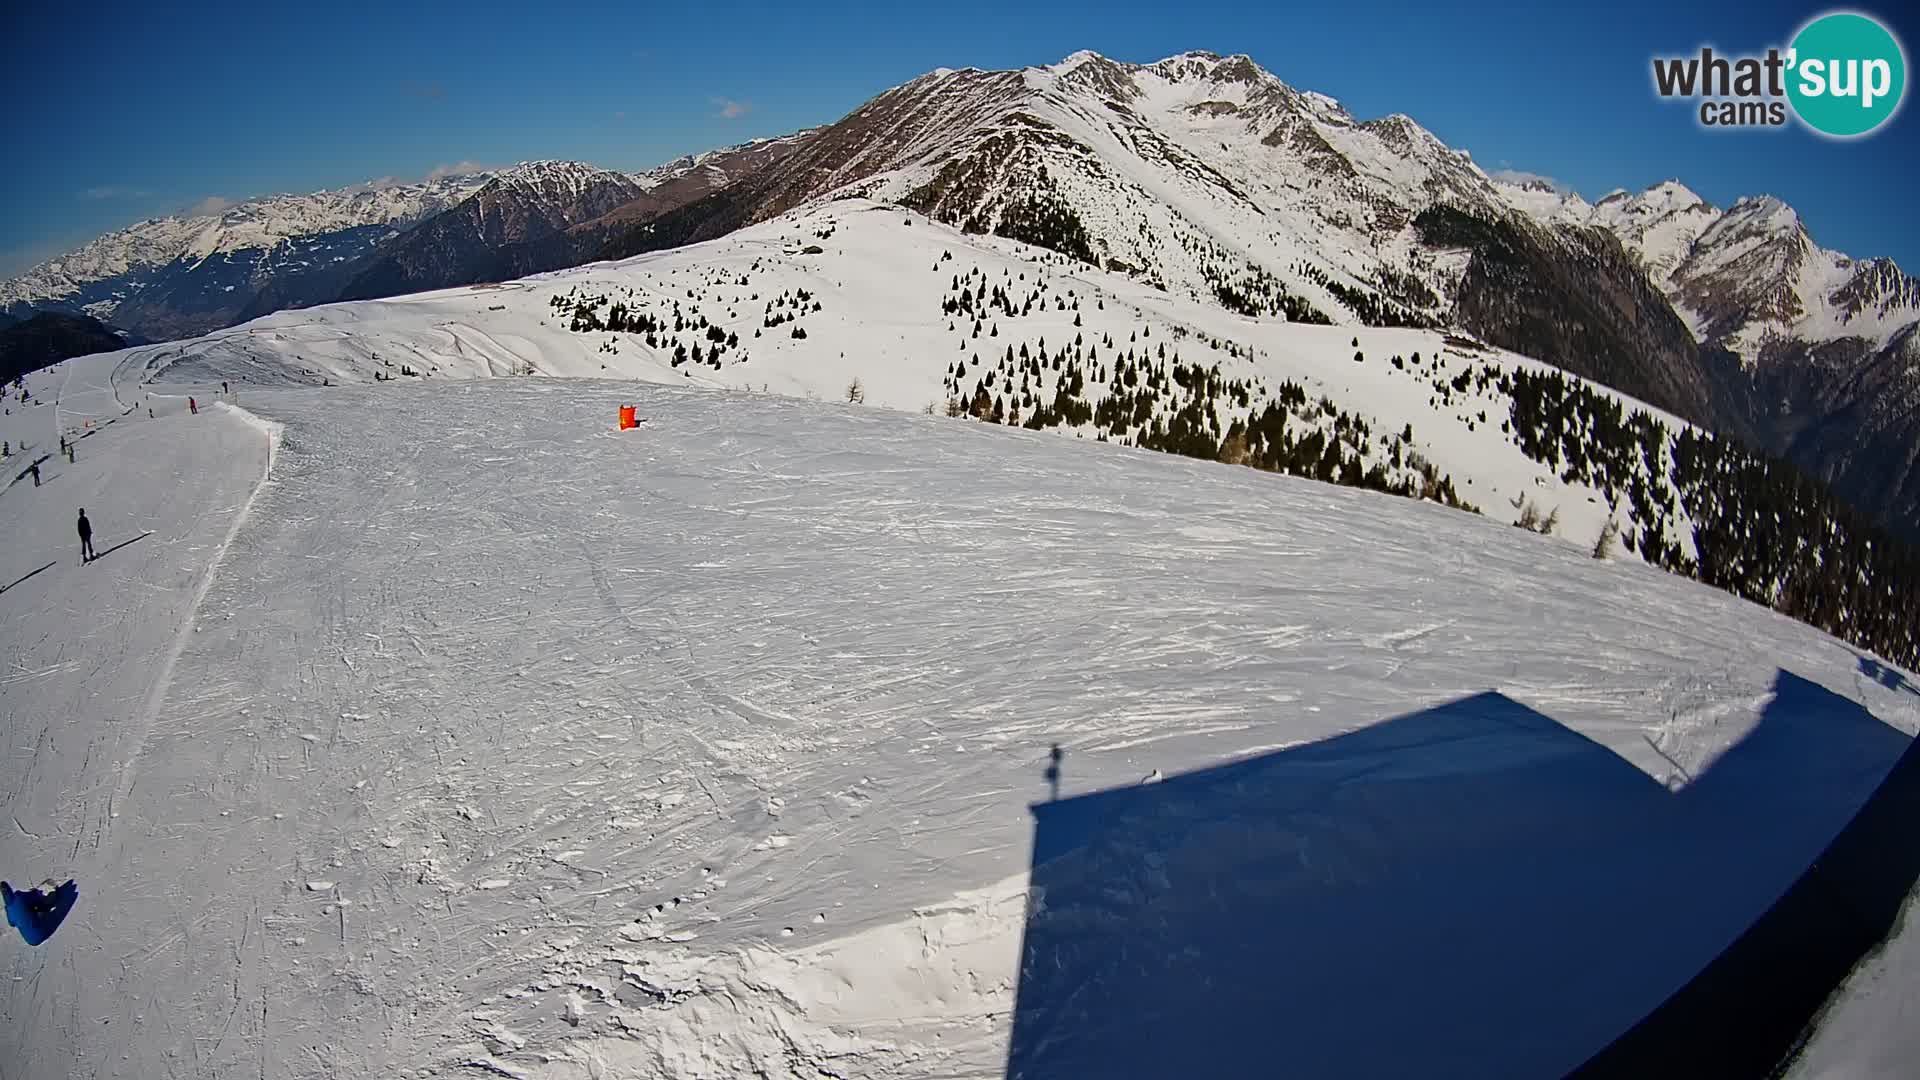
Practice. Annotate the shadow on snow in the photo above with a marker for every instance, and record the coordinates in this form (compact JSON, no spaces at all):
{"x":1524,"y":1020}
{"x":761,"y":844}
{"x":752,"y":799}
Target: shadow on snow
{"x":1891,"y":678}
{"x":29,"y":575}
{"x":103,"y":554}
{"x":1472,"y":890}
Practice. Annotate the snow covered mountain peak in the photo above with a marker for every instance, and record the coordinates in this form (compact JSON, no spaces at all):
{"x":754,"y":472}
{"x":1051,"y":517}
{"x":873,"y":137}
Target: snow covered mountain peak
{"x":570,"y":179}
{"x":721,"y":166}
{"x":1212,"y":68}
{"x":1744,"y":277}
{"x":547,"y":167}
{"x":1753,"y":275}
{"x":1541,"y":200}
{"x":1762,"y":214}
{"x":1075,"y":60}
{"x":1202,"y":173}
{"x":1664,"y":197}
{"x":1659,"y":200}
{"x":1200,"y":63}
{"x":1658,"y":225}
{"x":1196,"y":77}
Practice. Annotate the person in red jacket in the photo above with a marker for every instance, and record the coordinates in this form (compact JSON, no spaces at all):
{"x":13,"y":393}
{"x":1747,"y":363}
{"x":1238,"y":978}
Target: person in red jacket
{"x":193,"y":407}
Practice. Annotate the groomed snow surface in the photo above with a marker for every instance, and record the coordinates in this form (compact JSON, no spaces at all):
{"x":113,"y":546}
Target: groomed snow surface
{"x":880,"y":276}
{"x":437,"y":729}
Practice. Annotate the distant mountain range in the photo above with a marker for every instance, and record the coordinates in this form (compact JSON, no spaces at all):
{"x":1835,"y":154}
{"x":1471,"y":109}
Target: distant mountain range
{"x":544,"y":215}
{"x":176,"y":277}
{"x":1203,"y":175}
{"x":1825,"y":358}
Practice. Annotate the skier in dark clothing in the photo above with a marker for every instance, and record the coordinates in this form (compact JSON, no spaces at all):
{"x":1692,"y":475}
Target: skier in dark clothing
{"x":36,"y":474}
{"x":86,"y":538}
{"x":193,"y":407}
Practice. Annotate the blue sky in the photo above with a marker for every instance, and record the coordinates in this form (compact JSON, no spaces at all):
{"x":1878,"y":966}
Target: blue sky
{"x":123,"y":111}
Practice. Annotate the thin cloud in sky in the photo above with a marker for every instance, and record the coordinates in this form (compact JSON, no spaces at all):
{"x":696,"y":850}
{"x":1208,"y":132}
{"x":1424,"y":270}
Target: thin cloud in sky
{"x":211,"y":205}
{"x":459,"y":168}
{"x":106,"y":192}
{"x":731,"y":109}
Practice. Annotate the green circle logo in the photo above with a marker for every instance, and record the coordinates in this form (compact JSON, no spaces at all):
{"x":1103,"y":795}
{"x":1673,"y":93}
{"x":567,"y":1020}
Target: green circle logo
{"x":1847,"y":76}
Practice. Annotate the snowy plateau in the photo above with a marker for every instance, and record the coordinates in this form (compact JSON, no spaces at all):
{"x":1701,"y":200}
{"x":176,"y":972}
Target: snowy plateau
{"x":413,"y":721}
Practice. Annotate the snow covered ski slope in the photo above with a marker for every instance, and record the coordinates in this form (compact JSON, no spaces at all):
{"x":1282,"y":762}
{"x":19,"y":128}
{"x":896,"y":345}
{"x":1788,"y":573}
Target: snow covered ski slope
{"x":438,"y":729}
{"x":919,"y":313}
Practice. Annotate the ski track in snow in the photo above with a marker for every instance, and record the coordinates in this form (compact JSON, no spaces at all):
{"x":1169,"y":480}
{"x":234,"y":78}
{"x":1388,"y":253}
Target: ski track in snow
{"x":705,"y":748}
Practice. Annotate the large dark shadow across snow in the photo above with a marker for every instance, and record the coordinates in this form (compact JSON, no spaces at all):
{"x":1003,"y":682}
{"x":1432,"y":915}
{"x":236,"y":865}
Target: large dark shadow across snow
{"x":1472,"y":890}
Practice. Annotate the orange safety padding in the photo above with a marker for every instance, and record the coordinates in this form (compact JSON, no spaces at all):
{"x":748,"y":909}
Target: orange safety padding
{"x":626,"y":418}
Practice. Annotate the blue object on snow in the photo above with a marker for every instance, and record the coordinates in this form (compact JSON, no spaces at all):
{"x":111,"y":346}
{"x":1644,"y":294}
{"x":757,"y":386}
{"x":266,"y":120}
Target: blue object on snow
{"x":38,"y":914}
